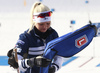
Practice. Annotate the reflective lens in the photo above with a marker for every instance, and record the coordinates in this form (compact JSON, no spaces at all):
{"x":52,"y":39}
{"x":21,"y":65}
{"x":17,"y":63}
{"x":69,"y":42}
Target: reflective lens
{"x":43,"y":15}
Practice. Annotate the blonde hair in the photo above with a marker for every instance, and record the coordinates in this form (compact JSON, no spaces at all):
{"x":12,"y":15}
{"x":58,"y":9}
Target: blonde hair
{"x":36,"y":8}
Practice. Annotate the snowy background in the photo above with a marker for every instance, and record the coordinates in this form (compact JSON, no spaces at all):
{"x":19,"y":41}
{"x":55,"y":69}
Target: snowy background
{"x":15,"y":19}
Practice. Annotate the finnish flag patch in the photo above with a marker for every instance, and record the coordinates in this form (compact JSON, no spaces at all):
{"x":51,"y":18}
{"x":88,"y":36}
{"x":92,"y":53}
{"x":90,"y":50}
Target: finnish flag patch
{"x":19,"y":50}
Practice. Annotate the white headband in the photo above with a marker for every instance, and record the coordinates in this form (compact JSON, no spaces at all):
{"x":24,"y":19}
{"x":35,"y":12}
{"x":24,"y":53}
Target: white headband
{"x":39,"y":20}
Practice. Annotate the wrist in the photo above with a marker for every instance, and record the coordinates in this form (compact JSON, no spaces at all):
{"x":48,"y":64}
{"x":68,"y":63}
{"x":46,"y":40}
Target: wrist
{"x":52,"y":69}
{"x":27,"y":63}
{"x":55,"y":67}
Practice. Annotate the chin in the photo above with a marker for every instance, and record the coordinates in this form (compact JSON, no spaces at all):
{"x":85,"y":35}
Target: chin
{"x":44,"y":31}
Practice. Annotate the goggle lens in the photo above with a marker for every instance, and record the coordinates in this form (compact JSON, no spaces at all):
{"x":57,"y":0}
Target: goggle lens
{"x":43,"y":15}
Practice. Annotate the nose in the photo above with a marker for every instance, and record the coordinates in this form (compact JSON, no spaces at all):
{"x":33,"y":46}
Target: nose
{"x":45,"y":26}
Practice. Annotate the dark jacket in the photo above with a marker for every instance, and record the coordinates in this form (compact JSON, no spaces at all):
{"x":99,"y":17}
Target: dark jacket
{"x":34,"y":44}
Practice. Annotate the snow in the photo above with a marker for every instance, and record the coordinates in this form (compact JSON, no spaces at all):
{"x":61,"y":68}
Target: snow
{"x":17,"y":20}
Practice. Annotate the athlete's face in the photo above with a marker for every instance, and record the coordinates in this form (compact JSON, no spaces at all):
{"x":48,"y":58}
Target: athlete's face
{"x":43,"y":26}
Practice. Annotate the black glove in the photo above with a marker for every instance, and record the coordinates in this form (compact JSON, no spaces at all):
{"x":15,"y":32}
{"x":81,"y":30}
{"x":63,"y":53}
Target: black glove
{"x":38,"y":61}
{"x":11,"y":61}
{"x":52,"y":69}
{"x":10,"y":53}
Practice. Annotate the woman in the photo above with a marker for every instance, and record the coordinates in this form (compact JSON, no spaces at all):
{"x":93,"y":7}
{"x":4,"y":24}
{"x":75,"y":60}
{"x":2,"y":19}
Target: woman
{"x":32,"y":42}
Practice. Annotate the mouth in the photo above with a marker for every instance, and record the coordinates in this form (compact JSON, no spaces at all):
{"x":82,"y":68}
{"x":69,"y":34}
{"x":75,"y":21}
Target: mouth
{"x":44,"y":30}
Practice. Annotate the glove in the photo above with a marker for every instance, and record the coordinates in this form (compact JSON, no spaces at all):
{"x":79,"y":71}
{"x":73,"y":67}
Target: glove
{"x":12,"y":62}
{"x":10,"y":52}
{"x":38,"y":61}
{"x":52,"y":69}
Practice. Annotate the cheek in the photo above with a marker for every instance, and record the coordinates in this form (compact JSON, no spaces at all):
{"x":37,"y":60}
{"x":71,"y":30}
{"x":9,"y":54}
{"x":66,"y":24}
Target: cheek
{"x":48,"y":26}
{"x":39,"y":27}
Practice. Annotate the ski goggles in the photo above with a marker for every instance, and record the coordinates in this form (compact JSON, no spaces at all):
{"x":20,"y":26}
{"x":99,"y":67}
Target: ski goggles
{"x":43,"y":14}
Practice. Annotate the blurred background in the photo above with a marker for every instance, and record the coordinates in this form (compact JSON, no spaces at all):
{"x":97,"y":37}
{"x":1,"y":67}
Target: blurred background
{"x":68,"y":15}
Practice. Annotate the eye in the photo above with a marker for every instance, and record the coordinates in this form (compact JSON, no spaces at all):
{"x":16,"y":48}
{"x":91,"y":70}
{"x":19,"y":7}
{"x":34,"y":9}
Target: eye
{"x":48,"y":23}
{"x":41,"y":24}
